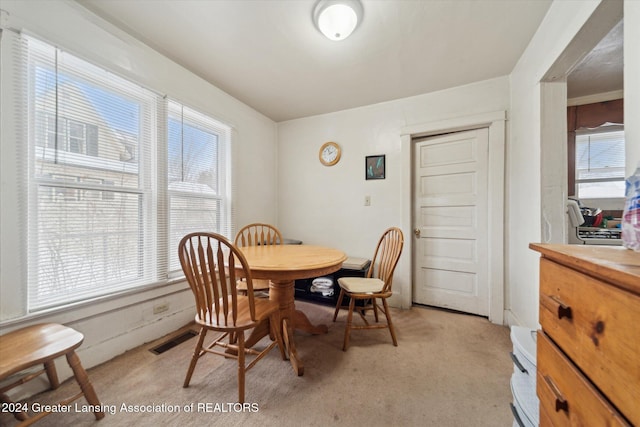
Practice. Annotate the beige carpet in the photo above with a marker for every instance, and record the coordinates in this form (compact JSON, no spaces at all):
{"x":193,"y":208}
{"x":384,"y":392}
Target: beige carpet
{"x":449,"y":370}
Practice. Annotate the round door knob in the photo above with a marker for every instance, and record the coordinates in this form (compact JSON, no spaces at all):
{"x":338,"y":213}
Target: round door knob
{"x":417,"y":232}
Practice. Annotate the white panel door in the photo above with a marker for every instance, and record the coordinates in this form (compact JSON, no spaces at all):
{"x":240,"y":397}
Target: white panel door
{"x":451,"y":220}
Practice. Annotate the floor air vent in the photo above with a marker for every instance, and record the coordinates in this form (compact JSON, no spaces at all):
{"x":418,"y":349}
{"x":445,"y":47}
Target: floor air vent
{"x":172,"y":342}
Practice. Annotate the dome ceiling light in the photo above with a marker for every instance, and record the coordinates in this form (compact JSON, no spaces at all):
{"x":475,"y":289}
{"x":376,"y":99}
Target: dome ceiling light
{"x":337,"y":19}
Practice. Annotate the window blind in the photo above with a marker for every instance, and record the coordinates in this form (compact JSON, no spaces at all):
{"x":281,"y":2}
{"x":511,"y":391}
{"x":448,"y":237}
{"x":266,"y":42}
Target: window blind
{"x":600,"y":164}
{"x":196,"y":176}
{"x":91,"y":176}
{"x":114,"y":175}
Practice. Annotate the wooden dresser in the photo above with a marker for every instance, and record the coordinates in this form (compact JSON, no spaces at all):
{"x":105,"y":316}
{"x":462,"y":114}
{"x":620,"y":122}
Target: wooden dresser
{"x":588,"y":351}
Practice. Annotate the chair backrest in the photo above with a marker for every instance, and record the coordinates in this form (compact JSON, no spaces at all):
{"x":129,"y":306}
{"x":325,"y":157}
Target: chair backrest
{"x":386,"y":256}
{"x":258,"y":234}
{"x":209,"y":263}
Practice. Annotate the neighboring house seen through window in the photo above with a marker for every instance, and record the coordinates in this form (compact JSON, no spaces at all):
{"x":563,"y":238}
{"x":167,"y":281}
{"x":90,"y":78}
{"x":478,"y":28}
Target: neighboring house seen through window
{"x":66,"y":135}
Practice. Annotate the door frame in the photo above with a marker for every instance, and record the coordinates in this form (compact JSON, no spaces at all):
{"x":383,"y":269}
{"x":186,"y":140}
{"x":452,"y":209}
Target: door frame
{"x":496,"y":123}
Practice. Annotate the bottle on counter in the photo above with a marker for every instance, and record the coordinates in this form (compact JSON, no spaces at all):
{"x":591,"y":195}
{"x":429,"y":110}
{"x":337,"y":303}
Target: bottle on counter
{"x":631,"y":213}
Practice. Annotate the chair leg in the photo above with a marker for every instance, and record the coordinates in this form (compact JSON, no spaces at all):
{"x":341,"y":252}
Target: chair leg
{"x":375,"y":309}
{"x":83,"y":381}
{"x":52,"y":374}
{"x":18,"y":414}
{"x":347,"y":330}
{"x":241,"y":367}
{"x":388,"y":314}
{"x":338,"y":305}
{"x":195,"y":357}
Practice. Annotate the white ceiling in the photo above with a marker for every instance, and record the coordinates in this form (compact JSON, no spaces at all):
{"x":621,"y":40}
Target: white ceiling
{"x":269,"y":55}
{"x":601,"y":70}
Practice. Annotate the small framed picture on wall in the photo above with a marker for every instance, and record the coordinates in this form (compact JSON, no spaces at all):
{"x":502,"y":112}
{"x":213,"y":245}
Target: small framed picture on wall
{"x":374,"y":167}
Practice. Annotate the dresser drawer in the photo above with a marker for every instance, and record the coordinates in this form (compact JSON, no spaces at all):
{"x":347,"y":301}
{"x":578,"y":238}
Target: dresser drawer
{"x":598,"y":326}
{"x":566,"y":396}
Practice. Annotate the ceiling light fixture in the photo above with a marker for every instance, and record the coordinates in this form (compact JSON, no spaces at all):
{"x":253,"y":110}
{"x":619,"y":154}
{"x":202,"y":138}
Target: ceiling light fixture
{"x":337,"y":19}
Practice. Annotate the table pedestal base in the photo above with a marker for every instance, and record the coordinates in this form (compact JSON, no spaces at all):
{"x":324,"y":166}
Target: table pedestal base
{"x":282,"y":292}
{"x":302,"y":322}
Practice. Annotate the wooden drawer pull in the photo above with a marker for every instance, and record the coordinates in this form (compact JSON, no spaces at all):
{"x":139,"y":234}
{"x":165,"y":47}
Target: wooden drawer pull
{"x":556,"y":305}
{"x":561,"y":403}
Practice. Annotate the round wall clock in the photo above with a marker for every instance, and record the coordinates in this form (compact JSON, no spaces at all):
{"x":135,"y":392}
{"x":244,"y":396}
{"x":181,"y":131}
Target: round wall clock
{"x":329,"y":153}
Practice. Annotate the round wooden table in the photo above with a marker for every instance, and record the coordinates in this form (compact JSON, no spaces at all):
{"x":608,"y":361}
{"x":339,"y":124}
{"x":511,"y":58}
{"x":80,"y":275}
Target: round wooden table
{"x":282,"y":265}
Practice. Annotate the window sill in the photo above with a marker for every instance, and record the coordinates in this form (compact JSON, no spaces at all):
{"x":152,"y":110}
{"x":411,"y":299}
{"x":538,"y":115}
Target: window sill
{"x":612,"y":204}
{"x":91,"y":308}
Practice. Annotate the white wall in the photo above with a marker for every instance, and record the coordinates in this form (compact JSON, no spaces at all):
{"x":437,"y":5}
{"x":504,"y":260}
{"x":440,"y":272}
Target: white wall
{"x":118,"y":324}
{"x":325,"y":205}
{"x":524,"y":153}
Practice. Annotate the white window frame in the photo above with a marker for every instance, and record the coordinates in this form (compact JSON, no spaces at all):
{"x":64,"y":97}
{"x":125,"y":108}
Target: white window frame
{"x":612,"y":203}
{"x":200,"y":194}
{"x":156,"y":207}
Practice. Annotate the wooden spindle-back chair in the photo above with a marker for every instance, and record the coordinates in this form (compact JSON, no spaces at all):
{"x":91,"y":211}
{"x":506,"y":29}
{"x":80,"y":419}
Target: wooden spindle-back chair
{"x":253,"y":235}
{"x":376,"y":285}
{"x":212,"y":265}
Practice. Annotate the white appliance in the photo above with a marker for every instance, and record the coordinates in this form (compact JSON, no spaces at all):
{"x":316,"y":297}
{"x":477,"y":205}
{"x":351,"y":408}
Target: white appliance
{"x":525,"y":406}
{"x":581,"y":235}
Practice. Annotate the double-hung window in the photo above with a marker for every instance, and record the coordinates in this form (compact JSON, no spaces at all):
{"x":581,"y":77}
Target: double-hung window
{"x":196,"y":175}
{"x":600,"y":163}
{"x":115,"y":174}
